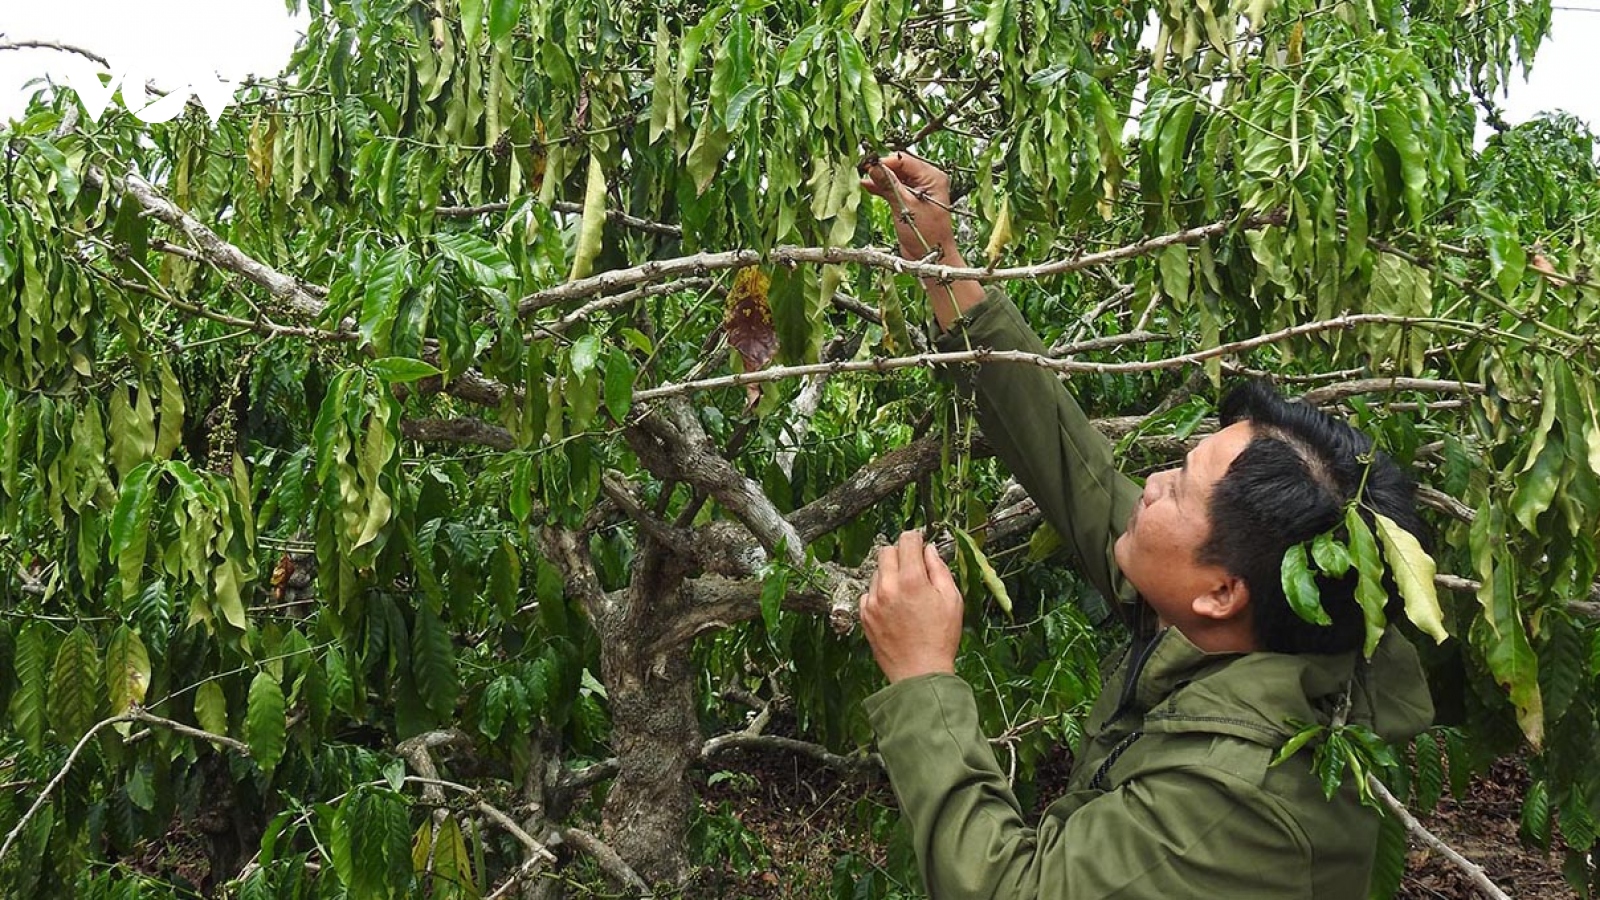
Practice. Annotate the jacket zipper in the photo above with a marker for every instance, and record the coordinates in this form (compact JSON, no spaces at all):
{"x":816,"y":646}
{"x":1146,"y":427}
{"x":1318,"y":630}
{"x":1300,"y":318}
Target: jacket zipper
{"x":1097,"y":783}
{"x":1130,"y":685}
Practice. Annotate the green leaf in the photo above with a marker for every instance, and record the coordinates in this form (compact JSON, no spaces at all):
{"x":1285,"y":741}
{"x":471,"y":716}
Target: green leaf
{"x":402,"y":369}
{"x":1298,"y":741}
{"x":1300,"y":587}
{"x":170,"y":432}
{"x":1535,"y":824}
{"x":265,"y":727}
{"x":1389,"y":865}
{"x":706,"y":152}
{"x":127,"y":670}
{"x":387,"y":282}
{"x":591,"y":226}
{"x":1507,"y":258}
{"x":471,"y":23}
{"x":618,"y":383}
{"x":130,"y":526}
{"x":503,"y":16}
{"x":433,"y":662}
{"x":74,"y":686}
{"x":28,"y":703}
{"x":1332,"y":557}
{"x":773,"y":589}
{"x":584,"y":354}
{"x":484,"y":263}
{"x":986,"y":572}
{"x":211,"y":708}
{"x":1369,"y":585}
{"x":66,"y":179}
{"x":796,"y":53}
{"x":1413,"y":572}
{"x":1428,"y":785}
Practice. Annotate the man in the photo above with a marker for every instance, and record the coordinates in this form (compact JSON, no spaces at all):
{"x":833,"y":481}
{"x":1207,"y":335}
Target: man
{"x":1172,"y":794}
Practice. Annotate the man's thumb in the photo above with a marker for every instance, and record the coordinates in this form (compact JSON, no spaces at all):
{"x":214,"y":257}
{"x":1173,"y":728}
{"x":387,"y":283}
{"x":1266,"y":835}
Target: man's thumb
{"x":939,"y":573}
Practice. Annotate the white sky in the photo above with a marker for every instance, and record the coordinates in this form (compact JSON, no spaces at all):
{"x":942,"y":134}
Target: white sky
{"x":178,"y":42}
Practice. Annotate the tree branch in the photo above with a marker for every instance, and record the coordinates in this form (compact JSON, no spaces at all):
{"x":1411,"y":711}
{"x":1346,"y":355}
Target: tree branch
{"x":1334,"y":393}
{"x":984,"y":355}
{"x":701,"y":263}
{"x":1473,"y":871}
{"x":607,"y":859}
{"x":54,"y":45}
{"x":457,"y":431}
{"x":641,"y":293}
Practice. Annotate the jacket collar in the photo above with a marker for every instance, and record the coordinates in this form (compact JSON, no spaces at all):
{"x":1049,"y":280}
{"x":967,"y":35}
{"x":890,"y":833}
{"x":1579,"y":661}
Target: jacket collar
{"x":1255,"y":696}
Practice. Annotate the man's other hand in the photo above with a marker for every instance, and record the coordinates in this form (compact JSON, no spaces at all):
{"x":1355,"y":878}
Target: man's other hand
{"x":911,"y":613}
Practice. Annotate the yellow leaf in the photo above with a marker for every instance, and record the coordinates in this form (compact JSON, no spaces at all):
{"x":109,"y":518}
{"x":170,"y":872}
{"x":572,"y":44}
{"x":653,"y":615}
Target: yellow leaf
{"x":1001,"y":235}
{"x":991,"y":578}
{"x":592,"y":226}
{"x":1413,"y":571}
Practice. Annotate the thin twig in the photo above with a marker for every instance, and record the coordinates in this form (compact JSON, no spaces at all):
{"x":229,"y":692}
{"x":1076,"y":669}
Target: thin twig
{"x":1473,"y":871}
{"x":700,"y":263}
{"x":983,"y":355}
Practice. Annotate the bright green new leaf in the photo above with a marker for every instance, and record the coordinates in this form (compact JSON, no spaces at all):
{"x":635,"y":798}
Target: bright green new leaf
{"x":1300,"y":587}
{"x":1331,"y":556}
{"x":402,"y":370}
{"x":1413,"y":571}
{"x":1000,"y":235}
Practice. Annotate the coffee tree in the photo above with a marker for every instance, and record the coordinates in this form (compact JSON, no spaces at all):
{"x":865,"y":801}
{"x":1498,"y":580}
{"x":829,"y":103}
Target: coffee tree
{"x":407,"y":480}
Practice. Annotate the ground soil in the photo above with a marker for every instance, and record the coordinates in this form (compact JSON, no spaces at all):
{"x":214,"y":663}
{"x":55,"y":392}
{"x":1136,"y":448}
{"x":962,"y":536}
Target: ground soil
{"x":806,"y":817}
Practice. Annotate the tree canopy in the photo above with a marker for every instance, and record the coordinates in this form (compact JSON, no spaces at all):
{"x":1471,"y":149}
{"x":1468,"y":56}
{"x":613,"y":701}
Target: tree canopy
{"x":408,"y":479}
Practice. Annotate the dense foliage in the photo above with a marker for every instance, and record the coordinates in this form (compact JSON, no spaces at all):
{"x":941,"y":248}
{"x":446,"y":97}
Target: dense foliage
{"x":373,"y":520}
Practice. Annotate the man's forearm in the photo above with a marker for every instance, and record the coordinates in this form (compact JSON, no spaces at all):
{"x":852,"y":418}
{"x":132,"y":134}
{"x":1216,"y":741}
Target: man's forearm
{"x":951,"y":299}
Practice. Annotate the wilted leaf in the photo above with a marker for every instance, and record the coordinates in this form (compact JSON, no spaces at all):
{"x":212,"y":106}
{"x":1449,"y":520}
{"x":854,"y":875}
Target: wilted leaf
{"x":986,"y":572}
{"x":1413,"y":571}
{"x":748,"y":321}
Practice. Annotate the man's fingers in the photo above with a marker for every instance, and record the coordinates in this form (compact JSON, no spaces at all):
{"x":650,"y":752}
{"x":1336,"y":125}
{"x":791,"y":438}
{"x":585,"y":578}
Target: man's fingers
{"x":939,"y":573}
{"x":913,"y":572}
{"x":888,"y":567}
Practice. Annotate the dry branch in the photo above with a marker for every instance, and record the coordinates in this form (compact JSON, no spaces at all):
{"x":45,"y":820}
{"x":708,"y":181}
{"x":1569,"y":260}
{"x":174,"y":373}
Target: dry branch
{"x":702,"y":263}
{"x":1473,"y":871}
{"x":607,"y":859}
{"x":614,"y":216}
{"x":457,"y":431}
{"x":984,"y":356}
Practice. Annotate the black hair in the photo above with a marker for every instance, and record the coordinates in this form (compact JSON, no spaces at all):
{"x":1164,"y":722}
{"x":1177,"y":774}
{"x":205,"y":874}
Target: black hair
{"x":1291,"y":483}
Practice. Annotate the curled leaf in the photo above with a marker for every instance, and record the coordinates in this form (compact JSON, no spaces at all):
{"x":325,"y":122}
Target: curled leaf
{"x":1002,"y":234}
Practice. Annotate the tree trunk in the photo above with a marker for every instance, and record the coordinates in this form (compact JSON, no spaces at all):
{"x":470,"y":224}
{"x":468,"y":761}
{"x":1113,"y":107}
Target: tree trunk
{"x":655,"y":729}
{"x":656,"y":736}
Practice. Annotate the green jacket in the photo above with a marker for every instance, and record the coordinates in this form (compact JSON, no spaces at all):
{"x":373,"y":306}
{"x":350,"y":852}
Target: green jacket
{"x":1172,"y":794}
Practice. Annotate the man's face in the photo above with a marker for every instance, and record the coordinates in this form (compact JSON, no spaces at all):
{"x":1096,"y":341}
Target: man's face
{"x":1158,"y":550}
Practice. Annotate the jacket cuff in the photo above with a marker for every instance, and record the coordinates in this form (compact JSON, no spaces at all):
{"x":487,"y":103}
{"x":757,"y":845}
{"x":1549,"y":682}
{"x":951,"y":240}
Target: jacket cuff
{"x":995,"y":315}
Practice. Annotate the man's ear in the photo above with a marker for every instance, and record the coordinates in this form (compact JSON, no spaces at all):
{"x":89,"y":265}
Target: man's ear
{"x":1228,"y":599}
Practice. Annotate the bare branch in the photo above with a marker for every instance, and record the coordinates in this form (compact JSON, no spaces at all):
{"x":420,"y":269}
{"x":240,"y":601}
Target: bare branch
{"x":138,"y":714}
{"x":607,"y":859}
{"x":984,"y":355}
{"x":654,"y":290}
{"x":1473,"y":871}
{"x":869,"y":484}
{"x":54,"y":45}
{"x":287,"y":289}
{"x":742,"y":741}
{"x":701,"y":263}
{"x":620,"y":490}
{"x":1333,"y":393}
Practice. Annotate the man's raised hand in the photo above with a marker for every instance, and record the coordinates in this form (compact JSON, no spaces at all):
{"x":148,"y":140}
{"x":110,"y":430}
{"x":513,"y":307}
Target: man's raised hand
{"x":911,"y":613}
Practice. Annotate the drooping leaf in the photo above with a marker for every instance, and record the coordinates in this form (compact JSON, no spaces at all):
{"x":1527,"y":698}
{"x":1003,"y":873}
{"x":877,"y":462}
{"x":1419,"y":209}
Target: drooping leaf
{"x":991,"y":578}
{"x":748,"y":319}
{"x":485,"y":263}
{"x":127,"y":670}
{"x":1413,"y":571}
{"x":591,"y":226}
{"x":265,"y":725}
{"x":1370,"y":594}
{"x":74,"y":686}
{"x":211,"y":708}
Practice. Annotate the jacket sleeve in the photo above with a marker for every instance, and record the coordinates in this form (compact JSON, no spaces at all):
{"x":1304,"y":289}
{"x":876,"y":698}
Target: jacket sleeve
{"x":1187,"y":832}
{"x":1040,"y":433}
